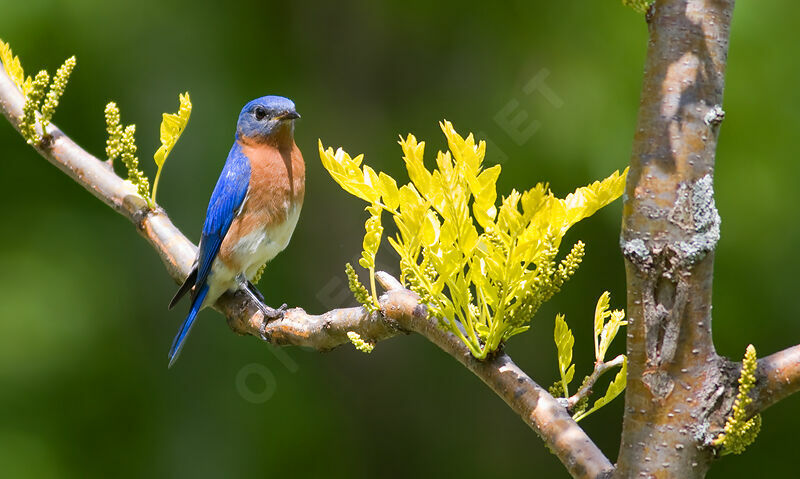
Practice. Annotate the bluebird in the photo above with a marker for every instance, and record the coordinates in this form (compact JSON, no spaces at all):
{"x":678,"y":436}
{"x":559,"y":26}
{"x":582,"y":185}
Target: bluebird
{"x":252,"y":212}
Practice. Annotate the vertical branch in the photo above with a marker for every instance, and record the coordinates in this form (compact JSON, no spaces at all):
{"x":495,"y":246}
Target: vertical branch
{"x":670,"y":229}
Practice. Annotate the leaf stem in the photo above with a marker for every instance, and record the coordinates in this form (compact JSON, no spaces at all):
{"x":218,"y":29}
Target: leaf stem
{"x":600,"y":368}
{"x":155,"y":185}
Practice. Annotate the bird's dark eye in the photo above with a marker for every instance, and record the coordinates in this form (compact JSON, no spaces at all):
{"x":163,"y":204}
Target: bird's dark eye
{"x":261,"y":113}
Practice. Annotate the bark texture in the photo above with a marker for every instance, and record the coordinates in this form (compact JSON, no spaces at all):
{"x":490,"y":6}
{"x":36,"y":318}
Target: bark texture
{"x":670,"y":228}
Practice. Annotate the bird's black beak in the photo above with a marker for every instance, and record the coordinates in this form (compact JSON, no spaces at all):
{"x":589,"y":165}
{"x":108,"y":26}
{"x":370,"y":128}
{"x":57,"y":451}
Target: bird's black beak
{"x":289,"y":115}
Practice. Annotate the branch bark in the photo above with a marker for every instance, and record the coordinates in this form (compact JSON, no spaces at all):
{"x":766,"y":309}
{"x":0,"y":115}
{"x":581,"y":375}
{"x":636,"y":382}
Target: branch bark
{"x":679,"y":389}
{"x":401,"y":310}
{"x":777,"y":377}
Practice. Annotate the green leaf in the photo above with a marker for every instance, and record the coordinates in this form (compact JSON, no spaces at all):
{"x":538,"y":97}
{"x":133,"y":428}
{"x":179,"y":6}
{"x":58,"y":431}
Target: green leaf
{"x":13,"y":68}
{"x":610,"y":330}
{"x":412,"y":155}
{"x":389,"y":191}
{"x":347,"y":172}
{"x":606,"y":325}
{"x":564,"y":342}
{"x":600,"y":314}
{"x":484,"y":189}
{"x":372,"y":237}
{"x":172,"y":126}
{"x":430,"y":229}
{"x":586,"y":200}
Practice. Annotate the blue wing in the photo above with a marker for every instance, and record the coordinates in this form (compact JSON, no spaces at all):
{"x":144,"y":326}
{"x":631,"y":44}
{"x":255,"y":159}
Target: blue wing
{"x":226,"y":200}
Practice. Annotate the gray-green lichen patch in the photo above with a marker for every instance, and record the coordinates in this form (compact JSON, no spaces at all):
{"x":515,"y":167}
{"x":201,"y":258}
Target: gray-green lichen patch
{"x":636,"y":251}
{"x":696,"y":213}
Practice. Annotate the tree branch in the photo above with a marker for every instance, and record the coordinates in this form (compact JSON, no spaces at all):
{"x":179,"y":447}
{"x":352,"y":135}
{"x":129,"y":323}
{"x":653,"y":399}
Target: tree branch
{"x":777,"y":377}
{"x":401,"y":311}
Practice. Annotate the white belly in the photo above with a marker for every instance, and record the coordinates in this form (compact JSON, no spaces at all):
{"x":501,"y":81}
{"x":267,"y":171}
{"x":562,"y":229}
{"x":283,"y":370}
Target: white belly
{"x":252,"y":250}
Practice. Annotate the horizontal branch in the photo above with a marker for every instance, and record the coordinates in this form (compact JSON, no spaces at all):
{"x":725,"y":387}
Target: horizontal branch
{"x":401,"y":311}
{"x":777,"y":376}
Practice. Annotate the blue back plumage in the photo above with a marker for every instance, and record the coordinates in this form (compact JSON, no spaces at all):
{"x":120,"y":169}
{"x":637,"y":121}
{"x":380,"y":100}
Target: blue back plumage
{"x":226,"y":200}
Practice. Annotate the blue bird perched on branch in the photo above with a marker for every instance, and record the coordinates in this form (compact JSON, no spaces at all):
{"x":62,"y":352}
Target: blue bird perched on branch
{"x":252,"y":213}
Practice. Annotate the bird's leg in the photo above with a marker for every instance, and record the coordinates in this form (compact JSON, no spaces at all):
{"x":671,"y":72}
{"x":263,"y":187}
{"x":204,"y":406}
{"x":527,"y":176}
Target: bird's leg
{"x":256,"y":291}
{"x":258,"y":298}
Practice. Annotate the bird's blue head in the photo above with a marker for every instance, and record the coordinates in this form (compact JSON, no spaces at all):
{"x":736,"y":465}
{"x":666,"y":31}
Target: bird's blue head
{"x":266,"y":119}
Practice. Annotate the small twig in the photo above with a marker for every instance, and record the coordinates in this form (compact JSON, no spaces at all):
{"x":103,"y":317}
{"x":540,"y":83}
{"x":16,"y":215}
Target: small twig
{"x":600,"y":368}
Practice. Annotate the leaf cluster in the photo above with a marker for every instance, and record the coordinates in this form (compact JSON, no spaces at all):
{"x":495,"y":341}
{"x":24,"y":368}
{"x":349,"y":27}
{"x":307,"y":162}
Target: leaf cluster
{"x":606,"y":327}
{"x":121,"y":143}
{"x":34,"y":90}
{"x":483,"y":267}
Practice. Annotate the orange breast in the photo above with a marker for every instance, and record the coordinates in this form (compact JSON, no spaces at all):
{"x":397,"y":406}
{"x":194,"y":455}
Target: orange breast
{"x":277,"y":183}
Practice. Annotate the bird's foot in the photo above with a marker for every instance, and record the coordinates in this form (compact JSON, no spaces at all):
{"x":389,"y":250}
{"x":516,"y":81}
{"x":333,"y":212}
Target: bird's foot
{"x":272,"y":313}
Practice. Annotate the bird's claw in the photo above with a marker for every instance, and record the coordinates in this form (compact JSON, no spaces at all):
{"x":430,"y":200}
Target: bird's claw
{"x":272,"y":313}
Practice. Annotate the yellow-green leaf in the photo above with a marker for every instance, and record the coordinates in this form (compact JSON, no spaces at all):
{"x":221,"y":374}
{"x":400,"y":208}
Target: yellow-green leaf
{"x":465,"y":151}
{"x":372,"y":237}
{"x":586,"y":200}
{"x":484,"y":189}
{"x":347,"y":172}
{"x":610,"y":330}
{"x":172,"y":126}
{"x":430,"y":229}
{"x":389,"y":191}
{"x":600,"y":314}
{"x":564,"y":342}
{"x":13,"y":68}
{"x":412,"y":155}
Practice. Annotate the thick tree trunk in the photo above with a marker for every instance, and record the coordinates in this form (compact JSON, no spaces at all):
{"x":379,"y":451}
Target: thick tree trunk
{"x":677,"y":385}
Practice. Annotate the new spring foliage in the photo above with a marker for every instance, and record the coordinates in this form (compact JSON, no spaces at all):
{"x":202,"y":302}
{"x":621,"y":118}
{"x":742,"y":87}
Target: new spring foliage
{"x":172,"y":126}
{"x":34,"y":91}
{"x":640,"y":6}
{"x":739,"y":431}
{"x":606,"y":327}
{"x":121,"y":143}
{"x":483,"y":267}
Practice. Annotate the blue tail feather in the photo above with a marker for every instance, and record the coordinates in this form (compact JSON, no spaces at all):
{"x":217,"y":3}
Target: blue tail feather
{"x":177,"y":343}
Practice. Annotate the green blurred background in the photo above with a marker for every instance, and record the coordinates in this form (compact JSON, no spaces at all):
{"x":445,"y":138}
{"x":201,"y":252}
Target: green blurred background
{"x":84,"y":329}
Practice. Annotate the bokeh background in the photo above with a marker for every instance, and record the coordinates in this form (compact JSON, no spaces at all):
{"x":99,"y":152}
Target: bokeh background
{"x":84,"y":329}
